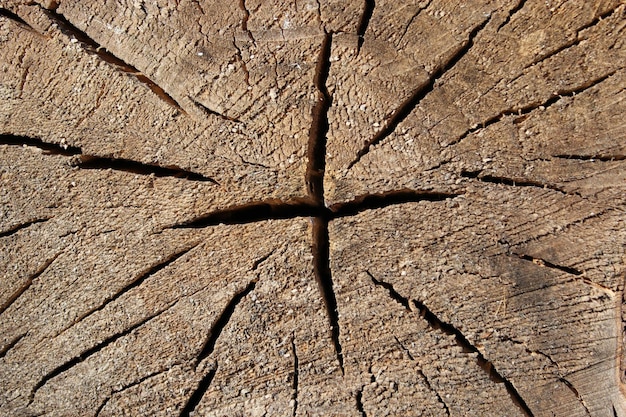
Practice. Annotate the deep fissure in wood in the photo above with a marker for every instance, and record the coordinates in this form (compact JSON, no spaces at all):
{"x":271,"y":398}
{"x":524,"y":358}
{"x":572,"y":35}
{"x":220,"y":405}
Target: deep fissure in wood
{"x":198,"y":393}
{"x":368,"y":11}
{"x":221,"y":322}
{"x":416,"y":97}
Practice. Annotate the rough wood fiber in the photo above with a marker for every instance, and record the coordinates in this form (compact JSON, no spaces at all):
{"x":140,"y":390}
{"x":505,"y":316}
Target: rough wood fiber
{"x":312,"y":208}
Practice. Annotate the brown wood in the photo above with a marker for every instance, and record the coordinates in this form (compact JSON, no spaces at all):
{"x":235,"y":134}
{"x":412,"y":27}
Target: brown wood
{"x":312,"y":208}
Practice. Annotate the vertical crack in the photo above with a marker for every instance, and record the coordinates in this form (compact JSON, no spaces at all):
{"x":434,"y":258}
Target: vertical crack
{"x":359,"y":402}
{"x":316,"y":153}
{"x":575,"y":392}
{"x":244,"y":20}
{"x":296,"y":375}
{"x":196,"y":396}
{"x":416,"y":97}
{"x":321,"y":268}
{"x":368,"y":10}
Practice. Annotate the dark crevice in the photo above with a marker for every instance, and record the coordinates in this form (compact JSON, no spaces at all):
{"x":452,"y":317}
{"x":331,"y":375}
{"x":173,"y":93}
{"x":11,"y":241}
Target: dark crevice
{"x":575,"y":392}
{"x":368,"y":11}
{"x":523,"y":112}
{"x":416,"y":97}
{"x":26,"y":285}
{"x":520,"y":4}
{"x":316,"y":152}
{"x":274,"y":209}
{"x":5,"y":349}
{"x":254,"y":212}
{"x":221,"y":322}
{"x":530,"y":351}
{"x":136,"y":167}
{"x":244,"y":66}
{"x":508,"y":181}
{"x":91,"y":351}
{"x":134,"y":283}
{"x":196,"y":396}
{"x":543,"y":262}
{"x":447,"y":328}
{"x":296,"y":376}
{"x":209,"y":112}
{"x":244,"y":20}
{"x":16,"y":228}
{"x":125,"y":387}
{"x":48,"y":148}
{"x":592,"y":158}
{"x":392,"y":292}
{"x":375,"y":201}
{"x":16,"y":18}
{"x":359,"y":402}
{"x":614,"y":410}
{"x":91,"y":46}
{"x":258,"y":262}
{"x":321,"y":268}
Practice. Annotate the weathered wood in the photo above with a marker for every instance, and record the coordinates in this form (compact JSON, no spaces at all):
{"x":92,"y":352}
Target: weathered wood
{"x":312,"y":208}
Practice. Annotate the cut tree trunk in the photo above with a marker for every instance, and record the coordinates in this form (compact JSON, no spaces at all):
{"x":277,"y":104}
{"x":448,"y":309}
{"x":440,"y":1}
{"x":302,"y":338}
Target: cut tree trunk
{"x":313,"y":207}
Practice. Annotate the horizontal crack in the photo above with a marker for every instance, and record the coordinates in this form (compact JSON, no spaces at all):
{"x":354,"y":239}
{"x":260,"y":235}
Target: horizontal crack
{"x":48,"y":148}
{"x":16,"y":228}
{"x":547,"y":264}
{"x":128,"y":386}
{"x":509,"y":181}
{"x":416,"y":97}
{"x":91,"y":46}
{"x":212,"y":112}
{"x":592,"y":158}
{"x":375,"y":201}
{"x":136,"y":167}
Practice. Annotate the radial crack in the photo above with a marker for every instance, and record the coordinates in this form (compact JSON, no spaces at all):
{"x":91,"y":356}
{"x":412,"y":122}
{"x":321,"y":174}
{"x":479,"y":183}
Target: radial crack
{"x":253,"y":212}
{"x":296,"y":376}
{"x":523,"y":111}
{"x":17,"y":19}
{"x":91,"y":46}
{"x":368,"y":10}
{"x":321,"y":268}
{"x":212,"y":112}
{"x":10,"y":345}
{"x":592,"y":158}
{"x":375,"y":201}
{"x":198,"y":393}
{"x":29,"y":281}
{"x":16,"y":228}
{"x":410,"y":22}
{"x":359,"y":402}
{"x":520,"y":4}
{"x":447,"y":328}
{"x":92,"y":351}
{"x":136,"y":282}
{"x":136,"y":167}
{"x":392,"y":293}
{"x":221,"y":322}
{"x":547,"y":264}
{"x":316,"y":152}
{"x":575,"y":392}
{"x":416,"y":97}
{"x":128,"y":386}
{"x":244,"y":20}
{"x":509,"y":181}
{"x":48,"y":148}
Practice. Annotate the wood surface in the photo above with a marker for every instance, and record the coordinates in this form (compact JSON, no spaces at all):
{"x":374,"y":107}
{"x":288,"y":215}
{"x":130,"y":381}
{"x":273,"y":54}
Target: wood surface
{"x":312,"y":207}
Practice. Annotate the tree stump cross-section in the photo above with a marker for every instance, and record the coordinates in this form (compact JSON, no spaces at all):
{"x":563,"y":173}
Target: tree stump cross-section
{"x":312,"y":208}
